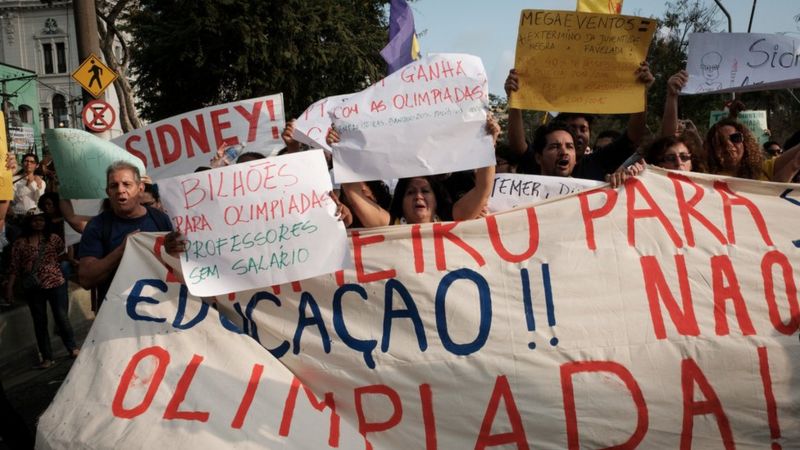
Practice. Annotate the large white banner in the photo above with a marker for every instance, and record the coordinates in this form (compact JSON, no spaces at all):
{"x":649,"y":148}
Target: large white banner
{"x":741,"y":62}
{"x":427,"y":118}
{"x":255,"y":224}
{"x":180,"y":144}
{"x":663,"y":314}
{"x":312,"y":126}
{"x":511,"y":190}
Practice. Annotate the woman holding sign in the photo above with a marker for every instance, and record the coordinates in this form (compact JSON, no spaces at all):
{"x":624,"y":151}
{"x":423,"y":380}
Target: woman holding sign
{"x":423,"y":199}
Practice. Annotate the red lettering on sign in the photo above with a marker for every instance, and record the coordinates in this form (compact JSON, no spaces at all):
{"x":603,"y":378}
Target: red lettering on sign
{"x":358,"y":244}
{"x":252,"y":119}
{"x":691,"y":375}
{"x":442,"y":231}
{"x":219,"y":126}
{"x":179,"y":396}
{"x":722,"y":270}
{"x":657,"y":288}
{"x":328,"y":402}
{"x":497,"y":243}
{"x":195,"y":135}
{"x":249,"y":393}
{"x":589,"y":215}
{"x":768,"y":262}
{"x":162,"y":131}
{"x":502,"y":391}
{"x":162,"y":361}
{"x":632,"y":187}
{"x":365,"y":427}
{"x":687,"y":209}
{"x":134,"y":151}
{"x":729,"y":200}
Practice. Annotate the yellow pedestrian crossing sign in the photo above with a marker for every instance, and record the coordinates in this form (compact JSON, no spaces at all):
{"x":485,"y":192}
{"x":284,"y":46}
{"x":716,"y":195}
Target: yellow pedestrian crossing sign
{"x":94,"y":76}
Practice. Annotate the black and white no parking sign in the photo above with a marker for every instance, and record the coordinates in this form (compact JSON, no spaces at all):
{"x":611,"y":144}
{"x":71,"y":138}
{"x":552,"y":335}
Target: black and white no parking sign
{"x":98,"y":116}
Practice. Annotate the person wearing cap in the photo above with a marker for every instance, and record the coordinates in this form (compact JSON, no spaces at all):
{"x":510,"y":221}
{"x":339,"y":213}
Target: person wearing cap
{"x":104,"y":238}
{"x":35,"y":264}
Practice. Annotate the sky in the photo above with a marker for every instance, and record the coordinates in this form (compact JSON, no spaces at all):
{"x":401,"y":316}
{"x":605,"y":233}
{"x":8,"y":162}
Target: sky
{"x":488,"y":29}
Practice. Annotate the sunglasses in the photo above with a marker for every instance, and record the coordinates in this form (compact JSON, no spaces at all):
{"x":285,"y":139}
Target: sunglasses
{"x":736,"y":138}
{"x":673,"y":158}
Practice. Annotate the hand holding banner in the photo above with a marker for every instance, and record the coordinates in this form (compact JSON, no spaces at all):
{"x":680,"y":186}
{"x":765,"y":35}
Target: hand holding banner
{"x":81,"y":161}
{"x":741,"y":62}
{"x":312,"y":126}
{"x":256,"y":224}
{"x":580,"y":62}
{"x":428,"y":117}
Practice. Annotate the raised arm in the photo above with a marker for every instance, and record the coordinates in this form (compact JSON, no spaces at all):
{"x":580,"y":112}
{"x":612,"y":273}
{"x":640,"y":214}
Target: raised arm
{"x":292,"y":145}
{"x":787,"y":165}
{"x":76,"y":221}
{"x":669,"y":121}
{"x":637,"y":122}
{"x":516,"y":126}
{"x":472,"y":203}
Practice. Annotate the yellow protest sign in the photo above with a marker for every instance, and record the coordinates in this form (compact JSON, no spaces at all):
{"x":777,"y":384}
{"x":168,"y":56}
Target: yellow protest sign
{"x":600,"y":6}
{"x":6,"y":187}
{"x":579,"y":62}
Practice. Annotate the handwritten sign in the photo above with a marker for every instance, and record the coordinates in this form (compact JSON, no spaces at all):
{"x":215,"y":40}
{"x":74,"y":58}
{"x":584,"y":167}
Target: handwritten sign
{"x":511,"y":190}
{"x":256,"y":224}
{"x":428,"y":117}
{"x":755,"y":121}
{"x":311,"y":127}
{"x":81,"y":161}
{"x":180,"y":144}
{"x":6,"y":185}
{"x":602,"y":319}
{"x":741,"y":62}
{"x":580,"y":62}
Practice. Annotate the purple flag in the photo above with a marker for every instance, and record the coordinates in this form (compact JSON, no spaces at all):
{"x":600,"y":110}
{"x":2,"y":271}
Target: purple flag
{"x":402,"y":47}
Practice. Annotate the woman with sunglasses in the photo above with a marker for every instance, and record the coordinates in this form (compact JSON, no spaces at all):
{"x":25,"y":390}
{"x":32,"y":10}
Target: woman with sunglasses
{"x":675,"y":153}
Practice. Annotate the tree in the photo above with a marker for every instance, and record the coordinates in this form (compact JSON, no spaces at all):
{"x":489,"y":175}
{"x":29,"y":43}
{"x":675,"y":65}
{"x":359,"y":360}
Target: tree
{"x":191,"y":54}
{"x":110,"y":14}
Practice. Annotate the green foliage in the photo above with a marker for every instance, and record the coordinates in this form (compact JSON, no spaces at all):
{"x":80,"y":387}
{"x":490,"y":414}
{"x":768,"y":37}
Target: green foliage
{"x":188,"y":54}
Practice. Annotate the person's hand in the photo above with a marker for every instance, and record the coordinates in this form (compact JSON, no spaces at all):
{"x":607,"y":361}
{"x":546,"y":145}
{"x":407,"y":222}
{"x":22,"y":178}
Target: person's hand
{"x":677,"y":82}
{"x":218,"y":160}
{"x":492,"y":127}
{"x":617,"y":178}
{"x":39,"y":182}
{"x":644,"y":76}
{"x":342,"y":212}
{"x":175,"y":243}
{"x":484,"y":211}
{"x":512,"y":82}
{"x":288,"y":137}
{"x":332,"y":137}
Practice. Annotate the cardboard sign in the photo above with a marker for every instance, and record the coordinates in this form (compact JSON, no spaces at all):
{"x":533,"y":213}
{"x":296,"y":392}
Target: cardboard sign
{"x":755,"y":121}
{"x":6,"y":176}
{"x":580,"y":62}
{"x":741,"y":62}
{"x":181,"y":144}
{"x":660,"y":315}
{"x":428,"y":117}
{"x":311,"y":128}
{"x":511,"y":190}
{"x":256,"y":224}
{"x":81,"y":161}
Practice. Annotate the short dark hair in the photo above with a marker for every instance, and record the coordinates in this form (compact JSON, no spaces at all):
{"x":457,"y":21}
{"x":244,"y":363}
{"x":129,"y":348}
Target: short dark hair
{"x":768,"y":144}
{"x":566,"y":117}
{"x":249,"y":156}
{"x":613,"y":134}
{"x":541,"y":133}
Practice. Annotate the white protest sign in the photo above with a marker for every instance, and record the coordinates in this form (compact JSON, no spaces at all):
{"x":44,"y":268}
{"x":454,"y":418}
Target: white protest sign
{"x":741,"y":62}
{"x":256,"y":224}
{"x":428,"y":117}
{"x":180,"y":144}
{"x":514,"y":189}
{"x":312,"y":126}
{"x":755,"y":121}
{"x":663,"y":314}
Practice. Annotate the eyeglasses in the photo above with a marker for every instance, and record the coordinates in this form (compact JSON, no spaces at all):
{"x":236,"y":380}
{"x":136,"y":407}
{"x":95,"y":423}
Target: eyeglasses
{"x":29,"y":161}
{"x":673,"y":158}
{"x":736,"y":138}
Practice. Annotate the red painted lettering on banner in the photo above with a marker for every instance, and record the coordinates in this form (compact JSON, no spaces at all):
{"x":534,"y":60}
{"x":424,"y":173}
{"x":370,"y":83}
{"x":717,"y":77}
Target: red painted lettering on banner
{"x":589,"y":215}
{"x":722,"y":271}
{"x":568,"y":370}
{"x":364,"y":426}
{"x":164,"y":131}
{"x":658,"y":291}
{"x":249,"y":393}
{"x":634,"y":186}
{"x":291,"y":402}
{"x":442,"y":231}
{"x":172,"y":412}
{"x":768,"y":262}
{"x":428,"y":418}
{"x":691,"y":375}
{"x":497,"y":243}
{"x":731,"y":199}
{"x":219,"y":126}
{"x":162,"y":361}
{"x":252,"y":119}
{"x":502,"y":391}
{"x":358,"y":244}
{"x":195,"y":135}
{"x":416,"y":246}
{"x":687,"y":209}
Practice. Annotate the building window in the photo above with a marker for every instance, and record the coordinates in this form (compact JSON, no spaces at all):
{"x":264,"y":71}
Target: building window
{"x":25,"y":113}
{"x":47,"y":49}
{"x":60,"y":113}
{"x":61,"y":57}
{"x":45,"y":118}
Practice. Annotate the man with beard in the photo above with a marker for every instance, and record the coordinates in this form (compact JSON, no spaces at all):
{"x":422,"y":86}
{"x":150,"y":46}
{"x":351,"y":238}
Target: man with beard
{"x":554,"y":150}
{"x":595,"y":165}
